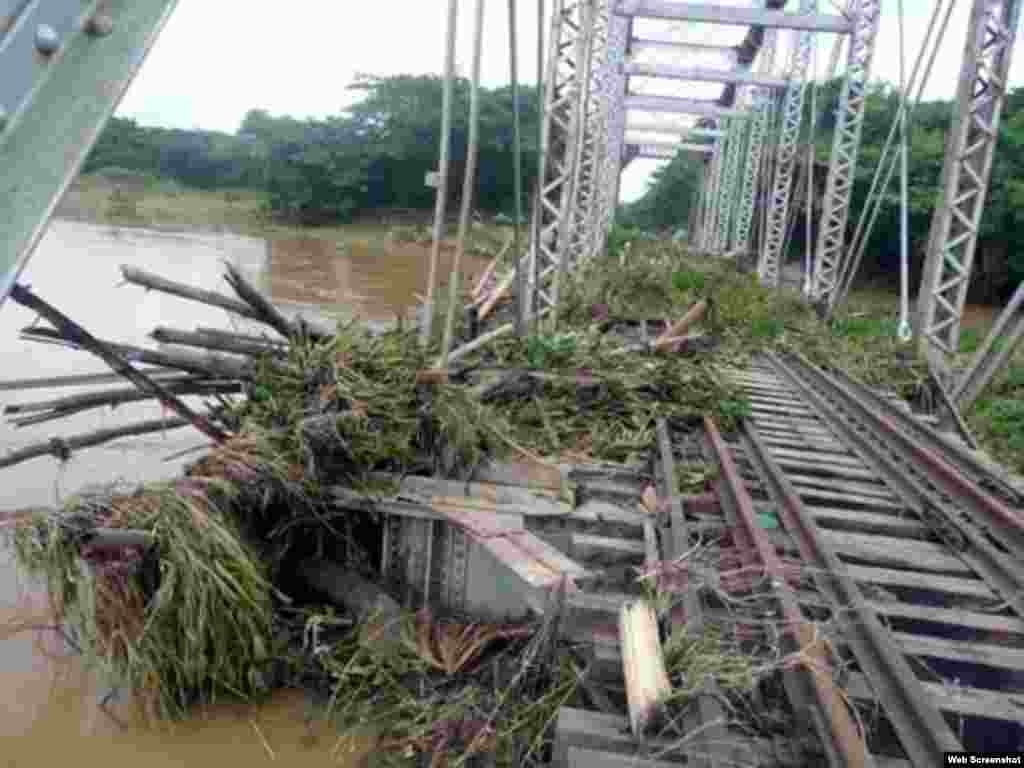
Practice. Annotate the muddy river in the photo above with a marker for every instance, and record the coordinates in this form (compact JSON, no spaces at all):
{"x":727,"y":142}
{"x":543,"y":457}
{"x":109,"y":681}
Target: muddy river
{"x":49,"y":702}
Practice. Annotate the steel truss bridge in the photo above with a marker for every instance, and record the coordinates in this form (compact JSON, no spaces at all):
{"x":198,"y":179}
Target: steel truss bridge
{"x":613,"y":74}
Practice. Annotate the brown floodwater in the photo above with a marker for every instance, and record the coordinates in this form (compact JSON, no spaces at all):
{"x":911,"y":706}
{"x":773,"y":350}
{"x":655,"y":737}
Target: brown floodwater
{"x":50,"y":703}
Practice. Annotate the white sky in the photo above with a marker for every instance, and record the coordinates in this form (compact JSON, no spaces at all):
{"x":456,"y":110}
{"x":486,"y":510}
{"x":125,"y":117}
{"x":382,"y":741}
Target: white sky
{"x":217,"y":60}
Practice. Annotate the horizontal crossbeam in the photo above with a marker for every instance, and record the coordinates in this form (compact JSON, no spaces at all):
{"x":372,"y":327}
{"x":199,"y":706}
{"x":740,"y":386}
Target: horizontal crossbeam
{"x":647,"y":149}
{"x":677,"y":131}
{"x":681,"y":106}
{"x":704,"y":75}
{"x":705,"y":13}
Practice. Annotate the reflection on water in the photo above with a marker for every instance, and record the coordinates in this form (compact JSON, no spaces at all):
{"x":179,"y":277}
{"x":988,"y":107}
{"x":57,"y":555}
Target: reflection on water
{"x":49,"y":701}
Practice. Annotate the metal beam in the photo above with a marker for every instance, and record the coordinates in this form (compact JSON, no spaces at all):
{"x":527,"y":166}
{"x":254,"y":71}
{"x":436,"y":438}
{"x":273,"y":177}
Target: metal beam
{"x":681,"y":106}
{"x":970,"y":150}
{"x":703,"y":13}
{"x":845,"y":151}
{"x":705,"y":75}
{"x":60,"y":86}
{"x":676,"y":132}
{"x":659,"y":148}
{"x":999,"y":347}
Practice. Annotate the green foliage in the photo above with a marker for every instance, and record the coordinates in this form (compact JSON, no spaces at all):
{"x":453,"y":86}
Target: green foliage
{"x":688,"y":280}
{"x":542,"y":351}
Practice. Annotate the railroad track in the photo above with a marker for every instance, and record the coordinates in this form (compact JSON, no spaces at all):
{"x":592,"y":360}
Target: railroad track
{"x":909,"y":545}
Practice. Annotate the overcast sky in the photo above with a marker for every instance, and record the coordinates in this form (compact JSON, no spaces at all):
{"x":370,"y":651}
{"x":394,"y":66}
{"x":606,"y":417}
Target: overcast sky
{"x":216,"y":60}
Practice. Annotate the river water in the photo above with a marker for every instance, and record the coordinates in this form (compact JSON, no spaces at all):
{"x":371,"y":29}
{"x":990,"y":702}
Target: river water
{"x":49,"y":702}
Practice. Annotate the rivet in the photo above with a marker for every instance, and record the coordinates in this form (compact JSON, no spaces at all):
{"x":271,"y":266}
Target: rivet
{"x":47,"y":39}
{"x":101,"y":25}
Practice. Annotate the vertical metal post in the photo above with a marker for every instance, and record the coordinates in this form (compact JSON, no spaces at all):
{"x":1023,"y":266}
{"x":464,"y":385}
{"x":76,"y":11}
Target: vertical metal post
{"x":970,"y":148}
{"x":761,"y":100}
{"x":845,"y":149}
{"x":769,"y":263}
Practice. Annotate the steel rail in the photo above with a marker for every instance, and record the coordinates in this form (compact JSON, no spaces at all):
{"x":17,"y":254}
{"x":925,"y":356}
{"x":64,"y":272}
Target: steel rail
{"x":964,"y":460}
{"x":922,"y":730}
{"x":835,"y":724}
{"x":922,"y":480}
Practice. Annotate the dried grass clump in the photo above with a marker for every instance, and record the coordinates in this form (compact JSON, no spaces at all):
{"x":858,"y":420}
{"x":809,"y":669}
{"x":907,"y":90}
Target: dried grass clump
{"x":188,"y":621}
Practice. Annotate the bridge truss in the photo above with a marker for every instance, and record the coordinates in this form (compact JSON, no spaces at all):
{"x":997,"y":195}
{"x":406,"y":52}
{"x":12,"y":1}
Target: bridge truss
{"x":624,"y":79}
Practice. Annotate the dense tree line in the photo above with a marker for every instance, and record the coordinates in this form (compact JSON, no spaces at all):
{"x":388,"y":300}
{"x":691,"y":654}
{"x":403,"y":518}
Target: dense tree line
{"x":374,"y":155}
{"x":674,"y":188}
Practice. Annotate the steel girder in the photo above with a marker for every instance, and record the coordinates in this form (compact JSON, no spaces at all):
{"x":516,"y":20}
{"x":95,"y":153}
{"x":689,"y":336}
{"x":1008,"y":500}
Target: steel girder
{"x":614,"y":130}
{"x":792,"y":114}
{"x":970,"y":148}
{"x":728,"y":191}
{"x":65,"y":64}
{"x":845,"y":150}
{"x":712,"y":180}
{"x":761,"y":99}
{"x":563,"y":121}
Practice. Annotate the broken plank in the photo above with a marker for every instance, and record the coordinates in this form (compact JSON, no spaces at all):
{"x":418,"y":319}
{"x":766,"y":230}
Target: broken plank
{"x":522,"y":474}
{"x":643,"y":664}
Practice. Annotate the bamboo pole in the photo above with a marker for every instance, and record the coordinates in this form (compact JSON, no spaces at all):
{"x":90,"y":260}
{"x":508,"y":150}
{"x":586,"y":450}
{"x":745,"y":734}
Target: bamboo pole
{"x":78,"y":335}
{"x":517,"y":164}
{"x":670,"y":336}
{"x":153,"y":282}
{"x":62,"y":448}
{"x":441,"y":202}
{"x":215,"y":342}
{"x":467,"y":186}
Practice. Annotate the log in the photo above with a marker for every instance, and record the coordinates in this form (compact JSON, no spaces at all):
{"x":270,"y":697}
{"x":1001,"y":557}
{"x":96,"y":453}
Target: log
{"x":74,"y":333}
{"x":153,"y":282}
{"x":214,"y":342}
{"x":264,"y":310}
{"x":206,"y":364}
{"x":497,"y":296}
{"x":364,"y":599}
{"x":62,"y":447}
{"x":59,"y":408}
{"x":647,"y":684}
{"x":79,"y":380}
{"x":250,"y":337}
{"x":669,"y":336}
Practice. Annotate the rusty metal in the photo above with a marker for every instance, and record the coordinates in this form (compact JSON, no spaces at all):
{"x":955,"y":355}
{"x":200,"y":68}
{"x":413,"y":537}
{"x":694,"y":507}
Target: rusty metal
{"x":924,"y":481}
{"x":922,"y":730}
{"x":843,"y":734}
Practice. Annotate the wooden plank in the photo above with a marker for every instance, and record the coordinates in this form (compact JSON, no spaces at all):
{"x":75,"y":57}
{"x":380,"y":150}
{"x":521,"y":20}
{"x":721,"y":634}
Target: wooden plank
{"x":848,"y":459}
{"x":845,"y":486}
{"x":832,"y":450}
{"x":534,"y":501}
{"x":523,"y":474}
{"x":596,"y":511}
{"x":586,"y":547}
{"x":896,"y":553}
{"x":643,"y":665}
{"x":817,"y":464}
{"x":973,"y":702}
{"x":847,"y":499}
{"x":926,"y":581}
{"x":957,"y":617}
{"x":868,"y":522}
{"x":958,"y":650}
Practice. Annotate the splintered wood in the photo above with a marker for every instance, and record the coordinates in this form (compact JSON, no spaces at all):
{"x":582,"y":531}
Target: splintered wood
{"x":643,"y":664}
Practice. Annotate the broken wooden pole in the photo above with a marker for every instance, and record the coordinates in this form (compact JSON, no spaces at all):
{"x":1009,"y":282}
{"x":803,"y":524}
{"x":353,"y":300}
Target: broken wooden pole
{"x":378,"y":611}
{"x":147,"y":280}
{"x":643,"y":665}
{"x":62,"y":447}
{"x":265,"y":311}
{"x":496,"y":296}
{"x":694,"y":315}
{"x":208,"y":364}
{"x":74,"y":333}
{"x":213,"y":342}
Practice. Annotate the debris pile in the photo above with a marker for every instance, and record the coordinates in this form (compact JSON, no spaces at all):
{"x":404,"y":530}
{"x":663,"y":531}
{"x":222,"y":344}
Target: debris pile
{"x":213,"y":584}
